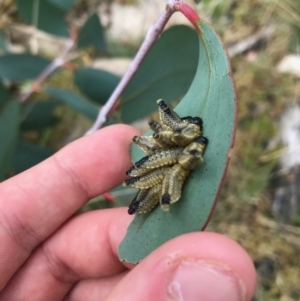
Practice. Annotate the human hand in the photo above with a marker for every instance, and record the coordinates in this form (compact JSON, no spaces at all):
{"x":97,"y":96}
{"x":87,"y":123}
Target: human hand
{"x":47,"y":254}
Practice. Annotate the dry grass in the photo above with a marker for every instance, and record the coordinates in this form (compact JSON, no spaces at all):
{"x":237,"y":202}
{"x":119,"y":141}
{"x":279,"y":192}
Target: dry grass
{"x":243,"y":211}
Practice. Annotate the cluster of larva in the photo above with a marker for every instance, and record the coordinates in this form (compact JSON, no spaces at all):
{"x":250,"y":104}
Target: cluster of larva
{"x":173,"y":151}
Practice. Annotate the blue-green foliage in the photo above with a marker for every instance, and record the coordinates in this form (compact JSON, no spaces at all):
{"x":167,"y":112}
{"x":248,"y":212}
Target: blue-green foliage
{"x":166,"y":72}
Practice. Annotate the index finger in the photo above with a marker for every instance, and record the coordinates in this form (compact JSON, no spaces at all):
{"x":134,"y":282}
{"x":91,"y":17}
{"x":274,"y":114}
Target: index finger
{"x":35,"y":203}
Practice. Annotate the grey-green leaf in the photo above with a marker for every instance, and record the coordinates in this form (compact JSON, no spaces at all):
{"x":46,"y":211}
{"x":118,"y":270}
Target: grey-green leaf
{"x":20,"y":67}
{"x":92,"y":34}
{"x":28,"y":155}
{"x":49,"y":16}
{"x":166,"y":72}
{"x":211,"y":97}
{"x":75,"y":101}
{"x":3,"y":47}
{"x":4,"y":96}
{"x":97,"y":84}
{"x":38,"y":115}
{"x":9,"y":128}
{"x":64,"y":5}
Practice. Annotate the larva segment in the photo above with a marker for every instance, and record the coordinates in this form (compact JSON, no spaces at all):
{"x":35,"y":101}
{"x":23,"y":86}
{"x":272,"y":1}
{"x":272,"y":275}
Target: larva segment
{"x":145,"y":200}
{"x":159,"y":159}
{"x":157,"y":127}
{"x":193,"y":120}
{"x":151,"y":179}
{"x":192,"y":155}
{"x":164,"y":139}
{"x":167,"y":116}
{"x":174,"y":150}
{"x":137,"y":172}
{"x":172,"y":186}
{"x":185,"y":135}
{"x":146,"y":143}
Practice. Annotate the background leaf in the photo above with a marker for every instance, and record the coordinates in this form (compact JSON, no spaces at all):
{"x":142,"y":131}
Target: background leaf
{"x":92,"y":34}
{"x":211,"y":97}
{"x":28,"y":155}
{"x":97,"y":84}
{"x":75,"y":101}
{"x":9,"y":126}
{"x":2,"y":43}
{"x":64,"y":5}
{"x":19,"y":67}
{"x":4,"y":96}
{"x":38,"y":115}
{"x":50,"y":18}
{"x":166,"y":72}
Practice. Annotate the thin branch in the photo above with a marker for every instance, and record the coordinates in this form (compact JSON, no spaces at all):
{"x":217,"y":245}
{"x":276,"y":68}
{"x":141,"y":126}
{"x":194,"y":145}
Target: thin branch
{"x":57,"y":62}
{"x":152,"y":35}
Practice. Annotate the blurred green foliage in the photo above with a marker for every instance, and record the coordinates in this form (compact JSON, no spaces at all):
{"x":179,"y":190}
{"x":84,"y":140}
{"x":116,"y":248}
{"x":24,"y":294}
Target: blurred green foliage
{"x":263,"y":94}
{"x":25,"y":126}
{"x":47,"y":15}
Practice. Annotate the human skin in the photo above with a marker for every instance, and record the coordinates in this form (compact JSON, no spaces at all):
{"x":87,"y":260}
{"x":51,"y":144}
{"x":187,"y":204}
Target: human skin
{"x":48,"y":252}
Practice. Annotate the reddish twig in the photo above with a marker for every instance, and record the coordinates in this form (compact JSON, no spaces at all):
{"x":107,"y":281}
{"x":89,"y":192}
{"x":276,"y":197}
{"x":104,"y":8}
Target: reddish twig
{"x":190,"y":14}
{"x":108,"y":196}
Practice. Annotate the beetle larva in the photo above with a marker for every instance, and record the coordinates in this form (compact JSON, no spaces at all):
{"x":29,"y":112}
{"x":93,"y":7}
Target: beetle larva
{"x":173,"y":151}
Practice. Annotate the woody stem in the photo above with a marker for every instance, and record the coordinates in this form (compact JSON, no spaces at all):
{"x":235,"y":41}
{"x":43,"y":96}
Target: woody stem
{"x":152,"y":35}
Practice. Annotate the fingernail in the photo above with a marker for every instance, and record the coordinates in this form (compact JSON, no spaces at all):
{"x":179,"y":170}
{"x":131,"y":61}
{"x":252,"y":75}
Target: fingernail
{"x":194,"y":281}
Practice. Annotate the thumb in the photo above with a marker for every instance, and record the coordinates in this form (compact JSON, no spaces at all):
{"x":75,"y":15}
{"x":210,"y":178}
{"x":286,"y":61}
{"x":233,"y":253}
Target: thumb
{"x":192,"y":267}
{"x":202,"y":280}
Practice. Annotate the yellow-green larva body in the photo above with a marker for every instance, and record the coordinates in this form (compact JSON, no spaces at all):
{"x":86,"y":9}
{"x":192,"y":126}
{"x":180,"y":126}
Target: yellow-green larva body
{"x":146,"y":143}
{"x":157,"y":127}
{"x":186,"y":135}
{"x":149,"y":180}
{"x":167,"y":116}
{"x":164,"y":139}
{"x":160,"y":158}
{"x":145,"y":200}
{"x":172,"y":186}
{"x":175,"y":149}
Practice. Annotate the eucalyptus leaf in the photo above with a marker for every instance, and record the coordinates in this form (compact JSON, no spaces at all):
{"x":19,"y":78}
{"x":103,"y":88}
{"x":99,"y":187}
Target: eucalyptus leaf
{"x":39,"y":115}
{"x":20,"y":67}
{"x":49,"y":16}
{"x":75,"y":101}
{"x":3,"y":47}
{"x":9,"y":128}
{"x":166,"y":72}
{"x":28,"y":155}
{"x":64,"y":5}
{"x":4,"y":96}
{"x":92,"y":34}
{"x":211,"y":97}
{"x":96,"y":84}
